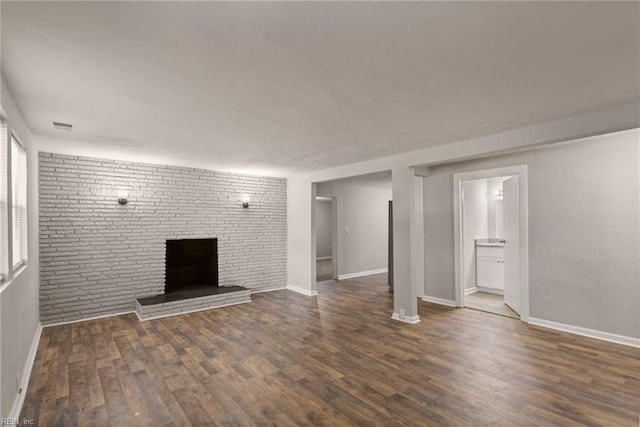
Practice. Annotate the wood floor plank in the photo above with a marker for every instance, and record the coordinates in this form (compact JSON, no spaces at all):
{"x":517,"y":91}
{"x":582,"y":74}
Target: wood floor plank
{"x":336,"y":359}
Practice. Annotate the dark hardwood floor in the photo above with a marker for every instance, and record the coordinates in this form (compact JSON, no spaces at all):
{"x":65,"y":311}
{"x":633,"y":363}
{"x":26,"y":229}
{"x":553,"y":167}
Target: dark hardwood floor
{"x":336,"y":359}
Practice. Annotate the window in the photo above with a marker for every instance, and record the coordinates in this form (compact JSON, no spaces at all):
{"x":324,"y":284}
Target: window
{"x":4,"y":223}
{"x":13,"y":202}
{"x":19,"y":204}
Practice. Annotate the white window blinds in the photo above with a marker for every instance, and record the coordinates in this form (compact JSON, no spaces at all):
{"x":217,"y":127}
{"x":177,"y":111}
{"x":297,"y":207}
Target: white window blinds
{"x":4,"y":224}
{"x":19,"y":203}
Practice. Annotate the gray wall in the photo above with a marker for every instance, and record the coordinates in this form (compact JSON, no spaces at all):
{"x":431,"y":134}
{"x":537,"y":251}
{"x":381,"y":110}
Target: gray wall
{"x":365,"y":211}
{"x":19,"y":298}
{"x":583,"y":231}
{"x":97,"y":256}
{"x":323,"y":228}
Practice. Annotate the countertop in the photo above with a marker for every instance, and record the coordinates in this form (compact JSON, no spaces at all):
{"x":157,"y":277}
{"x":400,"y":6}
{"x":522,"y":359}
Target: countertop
{"x":493,"y":243}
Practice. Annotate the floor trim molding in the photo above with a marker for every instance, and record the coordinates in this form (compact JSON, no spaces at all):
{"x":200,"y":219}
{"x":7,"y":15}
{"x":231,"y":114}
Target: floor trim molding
{"x":441,"y":301}
{"x":412,"y":320}
{"x":26,"y":374}
{"x":362,"y":273}
{"x":190,"y":311}
{"x":494,"y":291}
{"x":102,"y":316}
{"x":302,"y":291}
{"x":281,"y":288}
{"x":591,"y":333}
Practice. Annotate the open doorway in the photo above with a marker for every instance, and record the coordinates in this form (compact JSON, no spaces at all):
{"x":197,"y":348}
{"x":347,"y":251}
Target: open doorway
{"x":491,"y":241}
{"x":359,"y":209}
{"x":483,"y":245}
{"x":326,"y":259}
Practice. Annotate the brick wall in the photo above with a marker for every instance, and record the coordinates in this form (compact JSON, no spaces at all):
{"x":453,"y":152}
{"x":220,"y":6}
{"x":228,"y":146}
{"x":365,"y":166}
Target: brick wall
{"x":97,"y":256}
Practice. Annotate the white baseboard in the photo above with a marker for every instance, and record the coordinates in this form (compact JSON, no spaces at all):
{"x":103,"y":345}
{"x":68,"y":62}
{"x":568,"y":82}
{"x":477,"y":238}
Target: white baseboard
{"x":322,"y":258}
{"x":490,"y":290}
{"x":16,"y":408}
{"x":281,"y":288}
{"x":441,"y":301}
{"x":473,"y":290}
{"x":102,"y":316}
{"x":407,"y":319}
{"x":302,"y":291}
{"x":190,"y":311}
{"x":591,"y":333}
{"x":362,"y":273}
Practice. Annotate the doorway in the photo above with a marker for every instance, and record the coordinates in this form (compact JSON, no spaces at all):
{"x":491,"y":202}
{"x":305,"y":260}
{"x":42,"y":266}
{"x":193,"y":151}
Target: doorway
{"x":491,"y":241}
{"x":358,"y":224}
{"x":326,"y":247}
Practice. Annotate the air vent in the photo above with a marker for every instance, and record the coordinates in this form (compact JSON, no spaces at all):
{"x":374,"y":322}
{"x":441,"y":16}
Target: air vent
{"x":63,"y":126}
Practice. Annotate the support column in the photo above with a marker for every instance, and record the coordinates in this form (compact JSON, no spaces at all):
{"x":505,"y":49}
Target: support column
{"x":301,"y":236}
{"x":417,"y":229}
{"x":405,"y":305}
{"x":417,"y":236}
{"x":314,"y":238}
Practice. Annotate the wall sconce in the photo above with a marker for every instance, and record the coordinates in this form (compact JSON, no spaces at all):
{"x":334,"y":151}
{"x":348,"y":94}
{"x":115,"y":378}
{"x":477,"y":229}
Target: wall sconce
{"x":245,"y":201}
{"x":122,"y":197}
{"x":499,"y":193}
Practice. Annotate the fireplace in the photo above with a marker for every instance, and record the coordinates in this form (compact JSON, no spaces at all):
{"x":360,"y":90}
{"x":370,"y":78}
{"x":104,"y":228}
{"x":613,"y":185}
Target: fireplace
{"x":191,"y":282}
{"x":191,"y":264}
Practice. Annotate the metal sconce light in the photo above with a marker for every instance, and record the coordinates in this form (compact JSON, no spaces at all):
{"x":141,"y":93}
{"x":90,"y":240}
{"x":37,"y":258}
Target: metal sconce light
{"x":122,"y":197}
{"x":245,"y":201}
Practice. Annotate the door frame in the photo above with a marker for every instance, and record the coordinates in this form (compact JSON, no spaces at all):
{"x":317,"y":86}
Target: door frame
{"x":334,"y":236}
{"x":333,"y":200}
{"x":458,"y":204}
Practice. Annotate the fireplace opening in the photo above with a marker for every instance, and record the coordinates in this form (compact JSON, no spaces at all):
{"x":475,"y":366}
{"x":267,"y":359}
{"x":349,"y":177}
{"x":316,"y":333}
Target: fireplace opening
{"x":191,"y":264}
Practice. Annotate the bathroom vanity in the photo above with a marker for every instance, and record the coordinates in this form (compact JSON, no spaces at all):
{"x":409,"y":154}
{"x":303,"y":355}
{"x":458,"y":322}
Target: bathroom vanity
{"x":490,"y":265}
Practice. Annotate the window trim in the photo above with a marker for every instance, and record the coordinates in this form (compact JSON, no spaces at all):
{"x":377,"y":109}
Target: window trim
{"x":6,"y":273}
{"x":16,"y":267}
{"x":9,"y":273}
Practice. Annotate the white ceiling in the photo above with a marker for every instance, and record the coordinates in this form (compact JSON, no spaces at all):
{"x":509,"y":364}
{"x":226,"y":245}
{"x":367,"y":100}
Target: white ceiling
{"x":287,"y":87}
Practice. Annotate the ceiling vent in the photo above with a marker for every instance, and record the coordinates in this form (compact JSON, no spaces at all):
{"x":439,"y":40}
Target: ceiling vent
{"x":63,"y":126}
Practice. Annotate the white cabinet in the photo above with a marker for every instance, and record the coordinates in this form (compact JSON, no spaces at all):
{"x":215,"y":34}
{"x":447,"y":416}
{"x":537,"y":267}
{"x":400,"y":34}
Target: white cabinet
{"x":490,"y":267}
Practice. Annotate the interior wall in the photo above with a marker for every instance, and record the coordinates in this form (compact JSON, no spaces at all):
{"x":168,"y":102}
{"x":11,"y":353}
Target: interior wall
{"x":323,"y":228}
{"x":301,"y":188}
{"x":97,"y":256}
{"x":19,"y":298}
{"x":584,"y":246}
{"x":475,"y":222}
{"x":363,"y":211}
